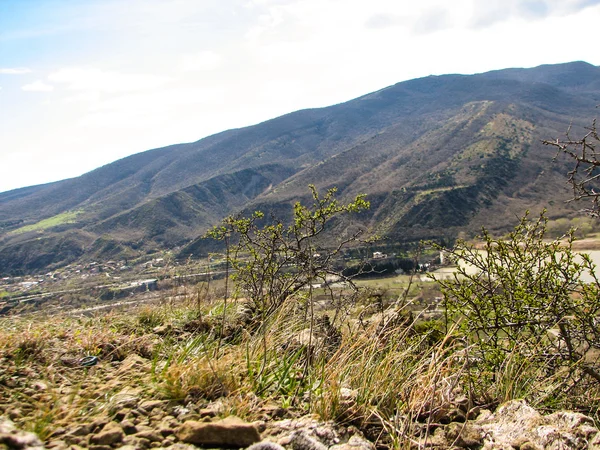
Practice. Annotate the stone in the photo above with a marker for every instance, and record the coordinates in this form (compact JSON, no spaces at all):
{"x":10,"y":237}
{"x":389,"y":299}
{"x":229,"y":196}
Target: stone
{"x":141,"y":427}
{"x":356,"y":442}
{"x":166,"y":430}
{"x":112,"y":433}
{"x":138,"y":443}
{"x":530,"y":446}
{"x":11,"y":437}
{"x":169,"y":440}
{"x":212,"y":409}
{"x":272,"y":411}
{"x":326,"y":434}
{"x":516,"y":424}
{"x":150,"y":405}
{"x":229,"y":432}
{"x":180,"y":446}
{"x":14,"y":413}
{"x":157,"y":415}
{"x":302,"y":440}
{"x":438,"y":439}
{"x":464,"y":435}
{"x":121,"y":414}
{"x":180,"y":411}
{"x":151,"y":435}
{"x":40,"y":386}
{"x":57,"y":445}
{"x":126,"y":398}
{"x":265,"y":445}
{"x":133,"y":363}
{"x":98,"y":424}
{"x":128,"y":427}
{"x":162,"y":329}
{"x":74,"y":440}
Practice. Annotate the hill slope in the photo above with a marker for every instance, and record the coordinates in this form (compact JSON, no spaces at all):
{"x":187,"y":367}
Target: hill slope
{"x":435,"y":155}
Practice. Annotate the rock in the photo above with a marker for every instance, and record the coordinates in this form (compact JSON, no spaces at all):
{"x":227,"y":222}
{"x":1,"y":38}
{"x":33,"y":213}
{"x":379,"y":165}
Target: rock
{"x":14,"y":413}
{"x":128,"y":427}
{"x":112,"y":433}
{"x":138,"y":443}
{"x":57,"y":445}
{"x":529,"y":446}
{"x":127,"y":398}
{"x":166,"y":430}
{"x":326,"y":434}
{"x":516,"y":424}
{"x":438,"y":439}
{"x":121,"y":414}
{"x":151,"y":435}
{"x":302,"y":440}
{"x":133,"y":363}
{"x":98,"y":424}
{"x":464,"y":435}
{"x":13,"y":438}
{"x":169,"y":440}
{"x":356,"y":442}
{"x":229,"y":432}
{"x":157,"y":415}
{"x":272,"y":411}
{"x":40,"y":386}
{"x":180,"y":411}
{"x":212,"y":409}
{"x":150,"y":405}
{"x":74,"y":440}
{"x":180,"y":446}
{"x":162,"y":329}
{"x":265,"y":445}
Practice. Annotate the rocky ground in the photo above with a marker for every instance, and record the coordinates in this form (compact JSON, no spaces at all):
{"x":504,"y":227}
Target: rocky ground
{"x":119,"y":382}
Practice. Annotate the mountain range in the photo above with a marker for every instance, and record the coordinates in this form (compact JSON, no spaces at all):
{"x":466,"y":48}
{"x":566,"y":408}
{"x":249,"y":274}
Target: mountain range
{"x":435,"y":156}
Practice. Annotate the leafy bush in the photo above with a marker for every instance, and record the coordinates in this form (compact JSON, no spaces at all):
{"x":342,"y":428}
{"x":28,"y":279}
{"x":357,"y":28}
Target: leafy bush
{"x":525,"y":301}
{"x":274,"y":262}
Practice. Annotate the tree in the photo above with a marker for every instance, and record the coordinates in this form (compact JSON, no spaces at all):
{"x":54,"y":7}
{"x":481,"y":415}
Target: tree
{"x":585,"y":175}
{"x":272,"y":262}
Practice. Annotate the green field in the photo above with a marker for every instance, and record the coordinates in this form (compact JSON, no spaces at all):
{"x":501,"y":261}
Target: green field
{"x":51,"y":222}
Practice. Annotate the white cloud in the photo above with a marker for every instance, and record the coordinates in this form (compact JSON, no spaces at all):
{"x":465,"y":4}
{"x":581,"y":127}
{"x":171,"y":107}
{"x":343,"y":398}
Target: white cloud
{"x":123,"y":87}
{"x":92,"y":79}
{"x":14,"y":70}
{"x":202,"y":61}
{"x":38,"y":86}
{"x":490,"y":12}
{"x":432,"y":21}
{"x":380,"y":20}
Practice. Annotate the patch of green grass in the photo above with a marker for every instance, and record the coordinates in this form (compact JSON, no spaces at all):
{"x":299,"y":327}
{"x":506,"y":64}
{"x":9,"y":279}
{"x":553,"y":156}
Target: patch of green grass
{"x":51,"y":222}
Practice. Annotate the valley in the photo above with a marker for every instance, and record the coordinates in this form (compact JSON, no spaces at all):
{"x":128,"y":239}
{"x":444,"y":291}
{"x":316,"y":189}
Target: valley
{"x":436,"y":156}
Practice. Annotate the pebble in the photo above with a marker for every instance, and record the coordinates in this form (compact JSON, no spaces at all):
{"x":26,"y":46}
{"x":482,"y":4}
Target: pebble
{"x":229,"y":432}
{"x":112,"y":433}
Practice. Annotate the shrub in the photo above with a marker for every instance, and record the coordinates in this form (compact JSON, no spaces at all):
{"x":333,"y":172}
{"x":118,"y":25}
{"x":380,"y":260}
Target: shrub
{"x":526,"y":300}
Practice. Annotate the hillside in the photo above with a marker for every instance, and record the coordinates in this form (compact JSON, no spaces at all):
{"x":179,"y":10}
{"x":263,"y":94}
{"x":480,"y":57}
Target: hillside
{"x":435,"y":156}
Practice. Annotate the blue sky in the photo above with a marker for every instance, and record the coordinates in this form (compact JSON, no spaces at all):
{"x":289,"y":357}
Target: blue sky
{"x":86,"y":82}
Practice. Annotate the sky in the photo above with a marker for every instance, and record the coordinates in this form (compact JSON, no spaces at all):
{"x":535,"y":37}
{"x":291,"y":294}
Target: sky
{"x":86,"y":82}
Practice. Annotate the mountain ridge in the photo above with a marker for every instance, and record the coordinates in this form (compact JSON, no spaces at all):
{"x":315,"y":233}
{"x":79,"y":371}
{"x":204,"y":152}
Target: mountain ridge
{"x":434,"y":155}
